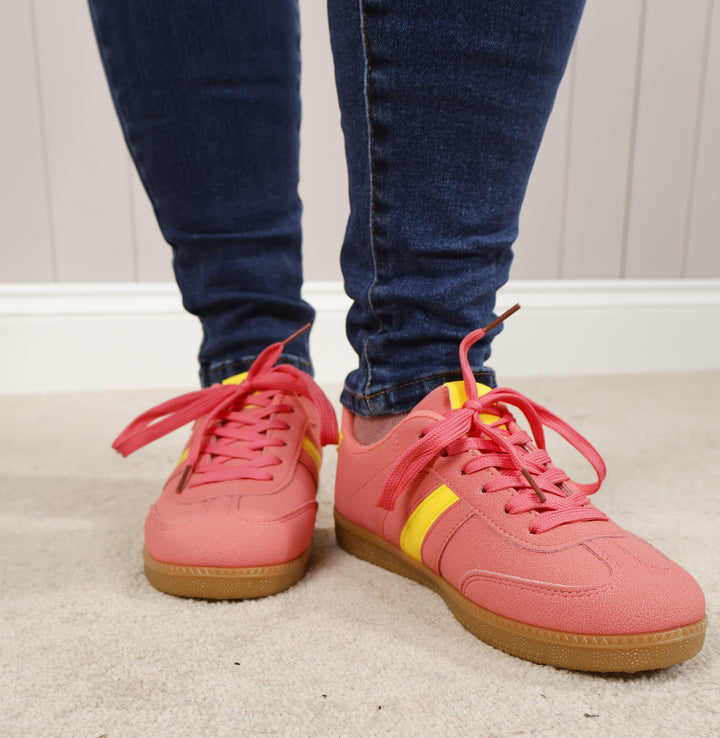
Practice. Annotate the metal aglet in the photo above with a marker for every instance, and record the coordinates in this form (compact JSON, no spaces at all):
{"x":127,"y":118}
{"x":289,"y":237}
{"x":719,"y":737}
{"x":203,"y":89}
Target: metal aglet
{"x":533,"y":484}
{"x":183,"y":479}
{"x":501,"y":318}
{"x":297,"y":333}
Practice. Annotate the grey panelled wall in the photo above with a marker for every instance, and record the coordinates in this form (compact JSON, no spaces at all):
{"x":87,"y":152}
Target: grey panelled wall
{"x":627,"y":183}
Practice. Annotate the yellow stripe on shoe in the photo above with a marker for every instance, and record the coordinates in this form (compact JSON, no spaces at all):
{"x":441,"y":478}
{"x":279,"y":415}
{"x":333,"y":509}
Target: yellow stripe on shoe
{"x":182,"y":458}
{"x":437,"y":502}
{"x":239,"y":379}
{"x":423,"y":516}
{"x":236,"y":379}
{"x":312,"y":451}
{"x":458,"y":398}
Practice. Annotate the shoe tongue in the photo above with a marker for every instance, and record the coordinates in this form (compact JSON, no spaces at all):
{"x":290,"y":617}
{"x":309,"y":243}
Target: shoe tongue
{"x":239,"y":379}
{"x":451,"y":396}
{"x":236,"y":379}
{"x":457,"y":394}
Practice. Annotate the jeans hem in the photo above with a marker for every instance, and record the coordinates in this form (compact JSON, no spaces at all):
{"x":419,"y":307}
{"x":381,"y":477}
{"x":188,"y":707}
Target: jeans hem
{"x":403,"y":398}
{"x":217,"y":372}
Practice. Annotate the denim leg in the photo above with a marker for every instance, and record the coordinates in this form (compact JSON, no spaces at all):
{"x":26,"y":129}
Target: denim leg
{"x":444,"y":103}
{"x":208,"y":99}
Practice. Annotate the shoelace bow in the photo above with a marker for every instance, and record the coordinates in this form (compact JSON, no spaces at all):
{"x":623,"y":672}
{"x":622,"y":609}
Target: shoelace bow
{"x":230,"y":413}
{"x":522,"y":462}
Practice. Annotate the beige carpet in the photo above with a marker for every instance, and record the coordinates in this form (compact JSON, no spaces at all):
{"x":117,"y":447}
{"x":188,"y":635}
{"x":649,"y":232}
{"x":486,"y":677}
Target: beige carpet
{"x":90,"y":649}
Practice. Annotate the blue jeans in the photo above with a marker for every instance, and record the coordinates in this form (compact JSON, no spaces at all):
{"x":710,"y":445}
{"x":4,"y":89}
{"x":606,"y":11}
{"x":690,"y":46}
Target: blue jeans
{"x":444,"y":103}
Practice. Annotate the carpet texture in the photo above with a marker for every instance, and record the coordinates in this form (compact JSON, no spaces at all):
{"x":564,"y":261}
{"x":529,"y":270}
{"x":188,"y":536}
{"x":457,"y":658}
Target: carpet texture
{"x":90,"y":649}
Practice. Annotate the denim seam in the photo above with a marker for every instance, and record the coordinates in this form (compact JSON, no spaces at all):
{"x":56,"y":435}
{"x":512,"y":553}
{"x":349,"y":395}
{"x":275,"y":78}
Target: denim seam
{"x":371,"y":162}
{"x":426,"y":378}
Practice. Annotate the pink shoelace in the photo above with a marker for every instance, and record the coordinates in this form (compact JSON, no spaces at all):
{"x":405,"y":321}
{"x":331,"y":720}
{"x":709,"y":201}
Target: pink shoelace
{"x":234,"y":420}
{"x":522,"y":463}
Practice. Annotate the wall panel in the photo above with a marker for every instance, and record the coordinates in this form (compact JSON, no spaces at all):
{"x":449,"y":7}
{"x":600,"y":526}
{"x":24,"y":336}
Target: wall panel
{"x":703,"y":248}
{"x":26,"y":250}
{"x":537,"y":249}
{"x":664,"y":142}
{"x":626,"y":184}
{"x":600,"y":138}
{"x":88,"y":177}
{"x":323,"y":174}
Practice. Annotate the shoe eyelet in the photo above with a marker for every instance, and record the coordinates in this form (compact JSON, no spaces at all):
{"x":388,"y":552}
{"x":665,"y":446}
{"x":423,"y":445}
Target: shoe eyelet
{"x":444,"y":453}
{"x":506,"y":511}
{"x":463,"y":473}
{"x":483,"y":491}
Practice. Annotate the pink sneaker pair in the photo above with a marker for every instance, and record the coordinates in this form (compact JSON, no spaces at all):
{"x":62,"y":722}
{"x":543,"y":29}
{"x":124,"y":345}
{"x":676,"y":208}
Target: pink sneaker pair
{"x":457,"y":497}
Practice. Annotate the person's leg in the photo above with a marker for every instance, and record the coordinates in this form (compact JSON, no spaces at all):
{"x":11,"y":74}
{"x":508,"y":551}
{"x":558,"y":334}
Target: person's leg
{"x":444,"y":104}
{"x":208,"y":98}
{"x":443,"y":108}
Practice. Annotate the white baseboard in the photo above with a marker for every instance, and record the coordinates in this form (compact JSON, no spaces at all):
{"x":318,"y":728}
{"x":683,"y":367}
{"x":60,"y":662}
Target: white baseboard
{"x":68,"y":337}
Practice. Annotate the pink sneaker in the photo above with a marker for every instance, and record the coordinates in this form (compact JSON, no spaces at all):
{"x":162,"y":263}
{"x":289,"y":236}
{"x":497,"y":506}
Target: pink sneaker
{"x":459,"y":498}
{"x":236,"y":517}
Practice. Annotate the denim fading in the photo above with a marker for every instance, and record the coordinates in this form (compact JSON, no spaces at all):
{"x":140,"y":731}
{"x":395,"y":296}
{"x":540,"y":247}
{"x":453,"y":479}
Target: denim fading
{"x":443,"y":109}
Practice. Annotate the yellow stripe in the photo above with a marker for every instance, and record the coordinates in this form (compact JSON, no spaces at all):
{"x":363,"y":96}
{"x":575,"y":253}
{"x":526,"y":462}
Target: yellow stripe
{"x":237,"y":379}
{"x":311,"y":449}
{"x":423,"y":516}
{"x":183,"y":456}
{"x":458,"y":398}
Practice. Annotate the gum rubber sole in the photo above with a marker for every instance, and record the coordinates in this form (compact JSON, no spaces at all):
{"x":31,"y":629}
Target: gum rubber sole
{"x":598,"y":653}
{"x":218,"y":583}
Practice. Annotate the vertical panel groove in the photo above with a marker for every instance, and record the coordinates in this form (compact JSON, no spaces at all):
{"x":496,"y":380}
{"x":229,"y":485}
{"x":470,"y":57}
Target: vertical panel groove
{"x":696,"y":137}
{"x":633,"y":140}
{"x":44,"y":144}
{"x":566,"y":165}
